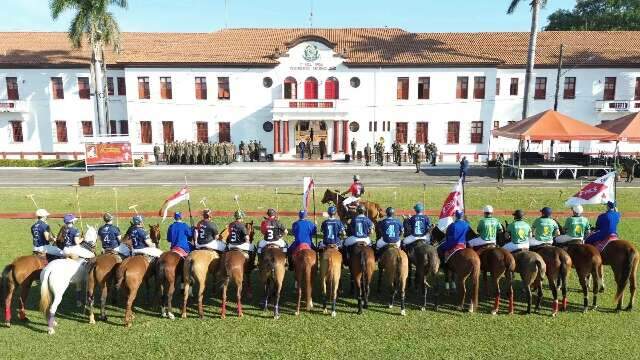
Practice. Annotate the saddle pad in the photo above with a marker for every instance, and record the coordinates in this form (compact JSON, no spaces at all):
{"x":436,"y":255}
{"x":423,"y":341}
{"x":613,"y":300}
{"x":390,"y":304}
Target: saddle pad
{"x":183,"y":254}
{"x":450,"y":253}
{"x":602,"y":244}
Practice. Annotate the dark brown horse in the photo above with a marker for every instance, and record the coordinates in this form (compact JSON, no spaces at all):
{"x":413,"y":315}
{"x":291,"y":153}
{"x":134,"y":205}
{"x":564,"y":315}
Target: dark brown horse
{"x":623,"y":258}
{"x":132,"y":272}
{"x":372,"y":209}
{"x":464,"y":264}
{"x":558,"y":263}
{"x":20,"y":273}
{"x":330,"y":271}
{"x":237,"y":267}
{"x":425,"y":258}
{"x":395,"y":268}
{"x":305,"y":266}
{"x":362,"y":265}
{"x":272,"y":270}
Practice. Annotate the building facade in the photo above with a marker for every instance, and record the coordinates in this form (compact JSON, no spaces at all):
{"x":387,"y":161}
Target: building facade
{"x":283,"y":86}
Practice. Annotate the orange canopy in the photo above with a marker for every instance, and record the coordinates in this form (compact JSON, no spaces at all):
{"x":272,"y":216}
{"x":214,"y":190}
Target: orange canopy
{"x":626,"y":128}
{"x":552,"y":125}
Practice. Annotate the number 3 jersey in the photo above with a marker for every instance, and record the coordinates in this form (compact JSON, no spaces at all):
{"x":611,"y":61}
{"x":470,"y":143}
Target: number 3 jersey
{"x":237,"y":233}
{"x":272,"y":229}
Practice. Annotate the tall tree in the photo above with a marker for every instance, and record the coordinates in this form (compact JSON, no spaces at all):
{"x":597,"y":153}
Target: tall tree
{"x":94,"y":23}
{"x":533,"y":37}
{"x":597,"y":15}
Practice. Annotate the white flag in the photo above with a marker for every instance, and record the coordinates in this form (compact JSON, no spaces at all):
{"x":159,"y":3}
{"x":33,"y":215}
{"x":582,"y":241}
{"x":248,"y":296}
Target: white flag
{"x":453,"y":202}
{"x":599,"y":191}
{"x":173,"y":200}
{"x":307,"y":191}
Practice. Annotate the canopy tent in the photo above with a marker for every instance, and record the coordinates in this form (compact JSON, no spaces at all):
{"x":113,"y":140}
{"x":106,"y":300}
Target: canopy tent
{"x":626,"y":128}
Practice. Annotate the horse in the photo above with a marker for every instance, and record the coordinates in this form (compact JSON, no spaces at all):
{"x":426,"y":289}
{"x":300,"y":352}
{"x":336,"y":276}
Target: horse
{"x":167,"y":273}
{"x":531,"y":267}
{"x":272,"y":270}
{"x":558,"y":264}
{"x":196,"y":267}
{"x":236,"y":265}
{"x":362,"y":264}
{"x":132,"y":272}
{"x":372,"y":209}
{"x":394,"y":266}
{"x":330,"y":272}
{"x":464,"y":264}
{"x":20,"y":273}
{"x":623,"y":258}
{"x":425,"y":258}
{"x":305,"y":266}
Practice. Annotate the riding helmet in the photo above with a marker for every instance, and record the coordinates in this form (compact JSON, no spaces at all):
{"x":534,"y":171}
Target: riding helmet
{"x":611,"y":205}
{"x":356,"y":177}
{"x":238,"y":215}
{"x":206,"y":213}
{"x":69,"y":218}
{"x":390,"y":211}
{"x":137,"y":220}
{"x":42,"y":213}
{"x":360,"y":210}
{"x":546,"y":211}
{"x":107,"y":217}
{"x":518,"y":214}
{"x":488,"y":209}
{"x":459,"y":214}
{"x":332,"y":210}
{"x":419,"y":208}
{"x":177,"y":215}
{"x":577,"y":209}
{"x":271,"y":212}
{"x":302,"y":214}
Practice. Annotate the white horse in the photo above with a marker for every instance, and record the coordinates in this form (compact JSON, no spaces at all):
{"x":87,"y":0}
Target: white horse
{"x":56,"y":277}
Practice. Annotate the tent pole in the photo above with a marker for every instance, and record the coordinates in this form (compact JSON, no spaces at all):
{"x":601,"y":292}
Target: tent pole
{"x":519,"y":158}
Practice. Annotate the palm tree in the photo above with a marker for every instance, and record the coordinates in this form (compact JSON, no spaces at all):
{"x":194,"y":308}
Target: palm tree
{"x":95,"y":24}
{"x":533,"y":37}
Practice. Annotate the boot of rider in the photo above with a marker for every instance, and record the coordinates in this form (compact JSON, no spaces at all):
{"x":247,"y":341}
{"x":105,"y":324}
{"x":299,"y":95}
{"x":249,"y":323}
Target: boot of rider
{"x":345,"y":255}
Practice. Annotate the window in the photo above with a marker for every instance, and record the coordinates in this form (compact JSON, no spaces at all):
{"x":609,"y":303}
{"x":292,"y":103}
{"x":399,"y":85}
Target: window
{"x":479,"y":84}
{"x":453,"y":132}
{"x":87,"y":128}
{"x":110,"y":89}
{"x":496,"y":125}
{"x":609,"y":88}
{"x":476,"y":132}
{"x":16,"y":131}
{"x":403,"y":88}
{"x":541,"y":88}
{"x":386,"y":126}
{"x":401,"y":132}
{"x":56,"y":88}
{"x":165,"y":88}
{"x":143,"y":88}
{"x":124,"y":127}
{"x":462,"y":87}
{"x":145,"y":132}
{"x":202,"y":132}
{"x":497,"y":86}
{"x":122,"y":87}
{"x":223,"y":88}
{"x":12,"y":88}
{"x":422,"y":132}
{"x":113,"y":127}
{"x":83,"y":87}
{"x":201,"y":88}
{"x":424,"y":85}
{"x":332,"y":88}
{"x":311,"y":88}
{"x":570,"y":88}
{"x":224,"y":132}
{"x":513,"y":87}
{"x":370,"y":126}
{"x":61,"y":131}
{"x":167,"y":131}
{"x":637,"y":92}
{"x":290,"y":88}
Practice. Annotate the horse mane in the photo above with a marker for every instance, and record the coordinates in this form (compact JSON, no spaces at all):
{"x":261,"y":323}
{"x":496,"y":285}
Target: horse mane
{"x":62,"y":233}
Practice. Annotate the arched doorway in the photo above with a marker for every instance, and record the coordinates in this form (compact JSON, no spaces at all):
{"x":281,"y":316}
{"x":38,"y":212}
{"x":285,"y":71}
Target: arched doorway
{"x":311,"y":88}
{"x":314,"y":131}
{"x":332,"y":88}
{"x":290,"y":88}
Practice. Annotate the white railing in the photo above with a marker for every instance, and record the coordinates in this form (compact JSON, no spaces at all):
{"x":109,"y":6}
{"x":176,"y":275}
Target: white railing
{"x":15,"y":106}
{"x":308,"y":105}
{"x":618,"y":105}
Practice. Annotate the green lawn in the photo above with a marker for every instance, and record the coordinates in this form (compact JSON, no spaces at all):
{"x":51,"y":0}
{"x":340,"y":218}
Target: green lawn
{"x":379,"y":333}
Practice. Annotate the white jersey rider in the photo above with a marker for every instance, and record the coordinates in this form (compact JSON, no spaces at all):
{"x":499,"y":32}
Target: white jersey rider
{"x":41,"y":235}
{"x":356,"y":190}
{"x":142,"y":244}
{"x":273,"y":231}
{"x":72,"y":240}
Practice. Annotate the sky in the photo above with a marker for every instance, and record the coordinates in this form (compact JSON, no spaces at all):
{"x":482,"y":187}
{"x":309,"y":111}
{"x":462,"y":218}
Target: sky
{"x":210,"y":15}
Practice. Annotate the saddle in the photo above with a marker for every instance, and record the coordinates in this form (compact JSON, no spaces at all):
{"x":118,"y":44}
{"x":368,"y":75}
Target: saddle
{"x":117,"y":255}
{"x":244,"y":253}
{"x":183,"y":254}
{"x":448,"y":254}
{"x":602,"y":244}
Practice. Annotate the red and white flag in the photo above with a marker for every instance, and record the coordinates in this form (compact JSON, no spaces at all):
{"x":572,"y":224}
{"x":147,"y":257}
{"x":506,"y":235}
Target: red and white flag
{"x":173,"y":200}
{"x":307,"y":191}
{"x":451,"y":204}
{"x":600,"y":191}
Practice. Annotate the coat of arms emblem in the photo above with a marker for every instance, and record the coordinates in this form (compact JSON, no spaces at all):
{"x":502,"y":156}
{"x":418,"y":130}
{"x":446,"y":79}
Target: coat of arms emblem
{"x":311,"y":53}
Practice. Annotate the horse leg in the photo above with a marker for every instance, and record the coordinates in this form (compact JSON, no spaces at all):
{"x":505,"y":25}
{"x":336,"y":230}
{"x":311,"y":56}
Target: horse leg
{"x":527,"y":290}
{"x":223,"y":304}
{"x":323,"y":284}
{"x":563,"y":280}
{"x":585,"y":292}
{"x":632,"y":287}
{"x":239,"y":296}
{"x":359,"y":288}
{"x":185,"y":299}
{"x":104,"y":293}
{"x":299,"y":293}
{"x":334,"y":295}
{"x":57,"y":299}
{"x":595,"y":286}
{"x":496,"y":285}
{"x":24,"y":293}
{"x":378,"y":289}
{"x":131,"y":297}
{"x":423,"y":291}
{"x":509,"y":279}
{"x":276,"y":309}
{"x":403,"y":287}
{"x":462,"y":288}
{"x":10,"y":287}
{"x":486,"y":284}
{"x":170,"y":290}
{"x":78,"y":287}
{"x":539,"y":298}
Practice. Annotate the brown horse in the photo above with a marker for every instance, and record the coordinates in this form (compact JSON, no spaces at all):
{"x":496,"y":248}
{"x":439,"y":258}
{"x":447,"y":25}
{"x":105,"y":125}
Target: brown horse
{"x":330,"y":272}
{"x":168,"y":264}
{"x":237,"y":267}
{"x":372,"y":209}
{"x":196,"y":267}
{"x":623,"y":258}
{"x":272,"y":270}
{"x":394,"y":265}
{"x":132,"y":272}
{"x":531,"y":267}
{"x":558,"y":263}
{"x":464,"y":264}
{"x":20,"y":273}
{"x":425,"y":258}
{"x":362,"y":265}
{"x":305,"y":266}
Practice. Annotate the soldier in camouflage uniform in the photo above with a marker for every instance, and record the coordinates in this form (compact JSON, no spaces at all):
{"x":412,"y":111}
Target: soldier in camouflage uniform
{"x":398,"y":154}
{"x":180,"y":152}
{"x":252,"y":149}
{"x":381,"y":154}
{"x":242,"y":151}
{"x":434,"y":153}
{"x":258,"y":149}
{"x":210,"y":154}
{"x":417,"y":158}
{"x":367,"y":154}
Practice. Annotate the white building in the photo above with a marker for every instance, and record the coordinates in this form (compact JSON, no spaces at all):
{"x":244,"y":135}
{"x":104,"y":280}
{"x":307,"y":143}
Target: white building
{"x":274,"y":85}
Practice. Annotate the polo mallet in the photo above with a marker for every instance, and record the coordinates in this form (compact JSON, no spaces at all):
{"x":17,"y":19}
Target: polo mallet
{"x":203,"y":201}
{"x":134,"y":208}
{"x":115,"y":194}
{"x":78,"y":206}
{"x":277,"y":205}
{"x":236,"y":198}
{"x":30,"y":196}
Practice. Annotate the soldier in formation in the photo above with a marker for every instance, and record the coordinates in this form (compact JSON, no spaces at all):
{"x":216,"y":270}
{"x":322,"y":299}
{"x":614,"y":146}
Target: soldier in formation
{"x":188,"y":152}
{"x":367,"y":154}
{"x":417,"y":158}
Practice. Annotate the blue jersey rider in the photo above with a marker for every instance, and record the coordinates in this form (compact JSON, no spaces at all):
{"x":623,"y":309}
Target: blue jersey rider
{"x":455,"y":237}
{"x":416,"y":227}
{"x":303,"y":232}
{"x":606,"y":227}
{"x":332,"y":230}
{"x":142,"y":244}
{"x":360,"y":228}
{"x":390,"y":229}
{"x":41,"y":235}
{"x":110,"y":237}
{"x":273,"y":231}
{"x":206,"y":234}
{"x":72,"y":240}
{"x":179,"y":235}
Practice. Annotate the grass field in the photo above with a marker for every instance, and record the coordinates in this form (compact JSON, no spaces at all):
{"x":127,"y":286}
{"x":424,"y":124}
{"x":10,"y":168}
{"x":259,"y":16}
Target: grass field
{"x":379,"y":333}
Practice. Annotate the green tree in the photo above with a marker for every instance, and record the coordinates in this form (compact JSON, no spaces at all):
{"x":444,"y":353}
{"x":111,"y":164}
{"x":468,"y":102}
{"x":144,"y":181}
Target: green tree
{"x":597,"y":15}
{"x":533,"y":37}
{"x":94,"y":23}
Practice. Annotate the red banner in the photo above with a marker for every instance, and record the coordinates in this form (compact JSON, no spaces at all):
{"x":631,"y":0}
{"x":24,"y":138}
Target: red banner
{"x":108,"y":153}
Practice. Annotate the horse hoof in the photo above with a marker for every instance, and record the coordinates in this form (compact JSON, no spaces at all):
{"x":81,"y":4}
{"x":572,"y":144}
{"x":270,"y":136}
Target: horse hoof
{"x":92,"y":321}
{"x":325,"y":311}
{"x":494,"y":312}
{"x":365,"y":306}
{"x":297,"y":313}
{"x":333,"y":314}
{"x":436,"y":308}
{"x":585,"y":310}
{"x":276,"y":317}
{"x":470,"y":311}
{"x":51,"y":331}
{"x":240,"y":315}
{"x":359,"y":311}
{"x":7,"y":324}
{"x":163,"y":314}
{"x":554,"y":314}
{"x":390,"y":306}
{"x":423,"y":309}
{"x":403,"y":312}
{"x":55,"y":323}
{"x":460,"y":308}
{"x":171,"y":316}
{"x":183,"y":315}
{"x":223,"y":316}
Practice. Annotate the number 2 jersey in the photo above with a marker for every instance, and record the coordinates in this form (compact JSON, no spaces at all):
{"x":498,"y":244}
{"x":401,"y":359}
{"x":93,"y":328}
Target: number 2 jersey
{"x":272,"y":229}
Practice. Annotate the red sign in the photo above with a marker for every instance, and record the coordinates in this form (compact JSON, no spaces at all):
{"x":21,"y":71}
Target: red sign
{"x":108,"y":153}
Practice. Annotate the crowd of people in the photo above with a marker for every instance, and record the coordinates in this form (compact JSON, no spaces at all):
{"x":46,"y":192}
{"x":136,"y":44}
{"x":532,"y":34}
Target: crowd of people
{"x":189,"y":152}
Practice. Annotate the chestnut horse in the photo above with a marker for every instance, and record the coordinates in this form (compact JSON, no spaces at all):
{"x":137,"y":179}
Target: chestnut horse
{"x":132,"y":272}
{"x":531,"y":267}
{"x":305,"y":266}
{"x":623,"y":258}
{"x":237,"y":267}
{"x":464,"y":264}
{"x":373,"y":210}
{"x":196,"y":267}
{"x":362,"y":264}
{"x":558,"y":263}
{"x":424,"y":257}
{"x":330,"y":272}
{"x":167,"y":274}
{"x":20,"y":273}
{"x":394,"y":266}
{"x":272,"y":270}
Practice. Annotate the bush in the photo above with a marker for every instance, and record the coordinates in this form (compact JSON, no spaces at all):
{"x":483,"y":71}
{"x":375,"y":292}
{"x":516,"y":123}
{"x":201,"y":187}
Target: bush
{"x":44,"y":163}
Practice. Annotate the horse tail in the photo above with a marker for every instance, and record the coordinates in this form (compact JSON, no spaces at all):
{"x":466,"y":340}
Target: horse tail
{"x":45,"y":292}
{"x":363,"y":267}
{"x":187,"y":270}
{"x":540,"y":265}
{"x":398,"y":274}
{"x":121,"y":273}
{"x":7,"y":273}
{"x":626,"y":273}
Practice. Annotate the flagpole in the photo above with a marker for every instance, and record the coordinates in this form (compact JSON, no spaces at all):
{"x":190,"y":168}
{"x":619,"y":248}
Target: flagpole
{"x":464,"y":204}
{"x":115,"y":191}
{"x":188,"y":202}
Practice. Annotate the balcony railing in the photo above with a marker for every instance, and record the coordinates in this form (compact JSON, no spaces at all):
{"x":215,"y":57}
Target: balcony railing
{"x":618,"y":105}
{"x":308,"y":105}
{"x":15,"y":106}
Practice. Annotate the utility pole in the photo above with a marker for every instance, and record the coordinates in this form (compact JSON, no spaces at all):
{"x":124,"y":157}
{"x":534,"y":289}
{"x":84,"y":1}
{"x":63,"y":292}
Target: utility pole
{"x":533,"y":37}
{"x":560,"y":59}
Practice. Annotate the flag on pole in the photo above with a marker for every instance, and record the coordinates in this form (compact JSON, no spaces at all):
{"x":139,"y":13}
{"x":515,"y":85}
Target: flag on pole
{"x":307,"y":190}
{"x":173,"y":200}
{"x":451,"y":204}
{"x":600,"y":191}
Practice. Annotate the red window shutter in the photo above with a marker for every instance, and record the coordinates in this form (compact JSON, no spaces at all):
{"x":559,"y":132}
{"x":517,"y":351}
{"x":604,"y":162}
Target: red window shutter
{"x":167,"y":131}
{"x":202,"y":132}
{"x":513,"y":87}
{"x":403,"y":88}
{"x":609,"y":88}
{"x":16,"y":129}
{"x":311,"y":88}
{"x":476,"y":132}
{"x":541,"y":88}
{"x":61,"y":131}
{"x":331,"y":89}
{"x":453,"y":132}
{"x":56,"y":88}
{"x":83,"y":87}
{"x":110,"y":88}
{"x":224,"y":132}
{"x":401,"y":132}
{"x":479,"y":87}
{"x":146,"y":135}
{"x":422,"y":132}
{"x":87,"y":128}
{"x":12,"y":88}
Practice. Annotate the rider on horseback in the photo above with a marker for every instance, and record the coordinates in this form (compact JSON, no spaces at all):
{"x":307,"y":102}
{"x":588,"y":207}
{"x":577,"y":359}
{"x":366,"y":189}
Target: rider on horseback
{"x":273,"y":232}
{"x":303,"y":232}
{"x":238,"y":235}
{"x":179,"y":235}
{"x":576,"y":228}
{"x":518,"y":232}
{"x":455,"y":237}
{"x":206,"y":234}
{"x":72,"y":240}
{"x":416,"y":227}
{"x":360,"y":228}
{"x":142,"y":244}
{"x":606,"y":225}
{"x":41,"y":235}
{"x":110,"y":238}
{"x":545,"y":228}
{"x":332,"y":230}
{"x":356,"y":190}
{"x":391,"y":230}
{"x":488,"y":229}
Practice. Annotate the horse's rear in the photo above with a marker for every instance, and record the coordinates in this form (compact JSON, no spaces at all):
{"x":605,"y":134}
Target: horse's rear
{"x":362,"y":265}
{"x":305,"y":266}
{"x":395,"y":263}
{"x":623,"y":258}
{"x":196,"y":267}
{"x":466,"y":264}
{"x":500,"y":263}
{"x":330,"y":272}
{"x":130,"y":275}
{"x":234,"y":268}
{"x":588,"y":263}
{"x":425,"y":259}
{"x":167,"y":270}
{"x":558,"y":264}
{"x":100,"y":273}
{"x":532,"y":268}
{"x":272,"y":270}
{"x":21,"y":272}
